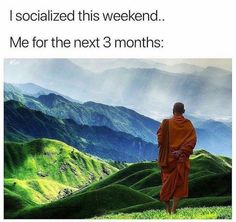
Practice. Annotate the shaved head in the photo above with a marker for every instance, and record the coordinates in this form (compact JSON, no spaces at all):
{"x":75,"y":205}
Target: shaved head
{"x":178,"y":108}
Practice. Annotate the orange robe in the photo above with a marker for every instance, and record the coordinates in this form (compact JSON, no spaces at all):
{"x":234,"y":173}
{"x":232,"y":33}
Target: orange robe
{"x":182,"y":136}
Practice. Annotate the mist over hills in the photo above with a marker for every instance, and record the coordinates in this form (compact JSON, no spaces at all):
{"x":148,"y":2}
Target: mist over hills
{"x":149,"y":91}
{"x":100,"y":65}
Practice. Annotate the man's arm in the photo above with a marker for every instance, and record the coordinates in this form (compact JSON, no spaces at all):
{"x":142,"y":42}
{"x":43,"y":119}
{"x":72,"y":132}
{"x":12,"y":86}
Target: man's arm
{"x":188,"y":146}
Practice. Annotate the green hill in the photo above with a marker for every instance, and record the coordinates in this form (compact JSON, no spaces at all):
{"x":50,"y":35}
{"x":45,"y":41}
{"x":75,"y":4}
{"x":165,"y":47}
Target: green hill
{"x":203,"y":160}
{"x":125,"y":174}
{"x":131,"y":189}
{"x":144,"y":176}
{"x":88,"y":204}
{"x":44,"y":170}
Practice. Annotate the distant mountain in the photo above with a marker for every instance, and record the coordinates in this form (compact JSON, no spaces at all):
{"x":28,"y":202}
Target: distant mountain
{"x":216,"y":136}
{"x":101,"y":65}
{"x":22,"y":124}
{"x":12,"y":93}
{"x":31,"y":89}
{"x":154,"y":92}
{"x":90,"y":113}
{"x":180,"y":68}
{"x":213,"y":135}
{"x":149,"y":91}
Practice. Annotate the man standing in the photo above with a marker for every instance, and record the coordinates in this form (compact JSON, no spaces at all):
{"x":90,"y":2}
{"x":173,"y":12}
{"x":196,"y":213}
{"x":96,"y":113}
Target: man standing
{"x":176,"y":141}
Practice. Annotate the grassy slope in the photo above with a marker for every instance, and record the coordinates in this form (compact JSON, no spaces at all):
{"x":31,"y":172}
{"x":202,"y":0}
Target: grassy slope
{"x":88,"y":204}
{"x":203,"y":160}
{"x":207,"y":171}
{"x":14,"y":202}
{"x":113,"y":199}
{"x":191,"y":202}
{"x":131,"y":190}
{"x":125,"y":175}
{"x":185,"y":213}
{"x":38,"y":170}
{"x":37,"y":190}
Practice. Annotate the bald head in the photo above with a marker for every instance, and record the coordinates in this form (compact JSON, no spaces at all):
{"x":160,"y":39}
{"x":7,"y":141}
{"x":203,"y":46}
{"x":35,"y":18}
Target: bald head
{"x":178,"y":108}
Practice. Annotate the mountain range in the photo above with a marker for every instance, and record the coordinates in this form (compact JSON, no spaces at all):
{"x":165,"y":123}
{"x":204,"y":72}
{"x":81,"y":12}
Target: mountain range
{"x":24,"y":124}
{"x":100,"y":65}
{"x":89,"y":113}
{"x":213,"y":135}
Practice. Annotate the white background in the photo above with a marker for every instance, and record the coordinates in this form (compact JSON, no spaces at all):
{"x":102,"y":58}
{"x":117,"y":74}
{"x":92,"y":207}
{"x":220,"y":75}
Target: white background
{"x":192,"y":29}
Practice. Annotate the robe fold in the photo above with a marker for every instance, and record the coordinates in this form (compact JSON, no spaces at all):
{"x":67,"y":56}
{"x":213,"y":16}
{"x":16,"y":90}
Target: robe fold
{"x":181,"y":135}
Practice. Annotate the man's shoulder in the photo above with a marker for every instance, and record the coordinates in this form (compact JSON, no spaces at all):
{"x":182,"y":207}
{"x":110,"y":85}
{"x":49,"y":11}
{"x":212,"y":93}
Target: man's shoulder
{"x":189,"y":122}
{"x":165,"y":120}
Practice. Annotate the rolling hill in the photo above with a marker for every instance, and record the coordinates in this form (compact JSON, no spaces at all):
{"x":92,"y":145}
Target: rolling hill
{"x":146,"y":176}
{"x":44,"y":170}
{"x":135,"y":189}
{"x":24,"y":124}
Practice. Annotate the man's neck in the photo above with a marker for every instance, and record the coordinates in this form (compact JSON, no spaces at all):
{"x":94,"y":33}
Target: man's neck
{"x":178,"y":114}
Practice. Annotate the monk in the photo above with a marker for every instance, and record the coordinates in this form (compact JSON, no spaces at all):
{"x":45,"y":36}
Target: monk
{"x":176,"y":141}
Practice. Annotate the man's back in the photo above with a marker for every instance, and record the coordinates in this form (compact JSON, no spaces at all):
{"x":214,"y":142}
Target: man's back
{"x":181,"y":132}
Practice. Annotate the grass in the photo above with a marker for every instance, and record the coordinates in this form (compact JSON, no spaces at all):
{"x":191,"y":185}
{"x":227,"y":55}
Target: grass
{"x":218,"y":184}
{"x":213,"y":163}
{"x":210,"y":175}
{"x":89,"y":204}
{"x":148,"y":181}
{"x":188,"y":202}
{"x":185,"y":213}
{"x":36,"y":171}
{"x":113,"y":199}
{"x":124,"y":176}
{"x":37,"y":190}
{"x":14,"y":202}
{"x":52,"y":160}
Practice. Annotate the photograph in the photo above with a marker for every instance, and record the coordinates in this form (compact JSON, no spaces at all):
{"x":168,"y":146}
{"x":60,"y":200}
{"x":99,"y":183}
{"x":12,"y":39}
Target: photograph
{"x":117,"y":138}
